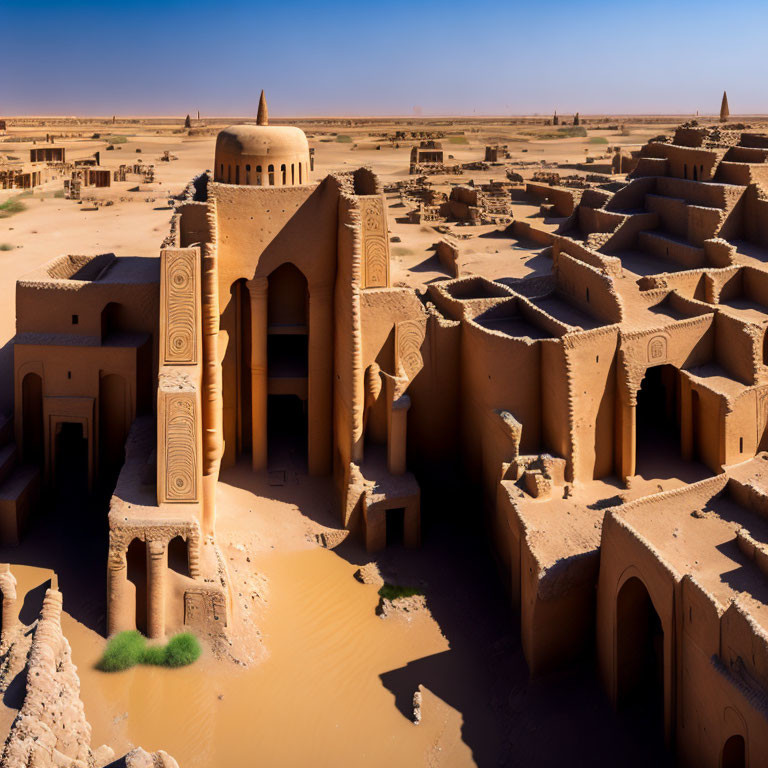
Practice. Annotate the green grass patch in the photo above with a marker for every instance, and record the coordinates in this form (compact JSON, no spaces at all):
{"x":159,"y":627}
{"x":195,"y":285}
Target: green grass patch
{"x":116,"y":139}
{"x":181,"y":650}
{"x":123,"y":651}
{"x":393,"y":591}
{"x":127,"y":649}
{"x":6,"y":247}
{"x":10,"y":206}
{"x":457,"y":140}
{"x":598,"y":140}
{"x":342,"y":138}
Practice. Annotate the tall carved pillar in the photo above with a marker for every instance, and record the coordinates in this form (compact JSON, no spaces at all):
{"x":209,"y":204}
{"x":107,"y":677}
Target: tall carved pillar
{"x":257,"y":289}
{"x":320,"y":379}
{"x":157,"y":566}
{"x":396,"y":439}
{"x":628,"y":439}
{"x":118,"y":605}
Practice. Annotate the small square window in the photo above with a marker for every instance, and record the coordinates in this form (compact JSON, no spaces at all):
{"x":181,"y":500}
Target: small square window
{"x":75,"y":319}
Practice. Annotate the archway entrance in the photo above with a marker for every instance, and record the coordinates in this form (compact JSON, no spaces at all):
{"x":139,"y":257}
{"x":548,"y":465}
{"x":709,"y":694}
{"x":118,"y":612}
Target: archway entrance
{"x":287,"y":365}
{"x":71,"y":460}
{"x":658,"y":420}
{"x":639,"y":659}
{"x":734,"y":753}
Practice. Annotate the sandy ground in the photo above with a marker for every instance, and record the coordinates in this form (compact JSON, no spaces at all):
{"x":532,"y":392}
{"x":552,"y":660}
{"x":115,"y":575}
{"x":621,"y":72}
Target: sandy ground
{"x":329,"y":683}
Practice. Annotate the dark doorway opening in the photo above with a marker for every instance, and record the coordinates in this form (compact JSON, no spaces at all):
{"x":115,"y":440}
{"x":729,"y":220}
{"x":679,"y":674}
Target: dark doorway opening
{"x":395,"y":526}
{"x":136,"y":559}
{"x":71,"y":460}
{"x":287,"y":429}
{"x":658,"y":422}
{"x":178,"y":557}
{"x":734,"y":753}
{"x":640,"y":659}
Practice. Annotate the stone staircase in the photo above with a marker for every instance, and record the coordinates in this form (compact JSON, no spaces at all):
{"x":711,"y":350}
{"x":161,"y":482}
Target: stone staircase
{"x":19,"y":486}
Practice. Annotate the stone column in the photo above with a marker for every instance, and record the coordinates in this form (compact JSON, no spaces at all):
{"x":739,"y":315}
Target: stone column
{"x":396,"y":439}
{"x":320,"y":384}
{"x":157,"y":566}
{"x":257,"y":289}
{"x":118,"y":606}
{"x":628,"y":440}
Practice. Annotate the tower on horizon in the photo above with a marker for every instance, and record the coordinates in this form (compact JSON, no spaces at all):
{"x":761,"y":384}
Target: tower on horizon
{"x":724,"y":112}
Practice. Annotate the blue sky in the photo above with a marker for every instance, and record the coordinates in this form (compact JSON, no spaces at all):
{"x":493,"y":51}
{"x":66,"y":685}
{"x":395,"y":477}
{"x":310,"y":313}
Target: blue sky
{"x":169,"y":57}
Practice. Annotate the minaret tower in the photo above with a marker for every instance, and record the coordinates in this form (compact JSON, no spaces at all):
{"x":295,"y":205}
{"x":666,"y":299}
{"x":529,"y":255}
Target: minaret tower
{"x":262,"y":118}
{"x":724,"y":112}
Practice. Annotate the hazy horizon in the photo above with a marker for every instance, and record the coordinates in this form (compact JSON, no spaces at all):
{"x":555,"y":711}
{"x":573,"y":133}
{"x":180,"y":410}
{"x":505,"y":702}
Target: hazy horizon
{"x":488,"y":59}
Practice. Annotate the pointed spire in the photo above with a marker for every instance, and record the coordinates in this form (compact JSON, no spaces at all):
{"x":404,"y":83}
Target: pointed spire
{"x":263,"y":116}
{"x":724,"y":112}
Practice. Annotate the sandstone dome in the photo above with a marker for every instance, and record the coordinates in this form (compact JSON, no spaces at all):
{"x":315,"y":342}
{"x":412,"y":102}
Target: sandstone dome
{"x":262,"y":154}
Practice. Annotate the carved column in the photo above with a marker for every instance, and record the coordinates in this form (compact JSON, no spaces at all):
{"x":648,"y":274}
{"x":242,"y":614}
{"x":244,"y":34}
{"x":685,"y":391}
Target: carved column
{"x":320,"y":384}
{"x":396,"y":439}
{"x":257,"y":289}
{"x":118,"y":606}
{"x":628,"y":439}
{"x":157,"y":566}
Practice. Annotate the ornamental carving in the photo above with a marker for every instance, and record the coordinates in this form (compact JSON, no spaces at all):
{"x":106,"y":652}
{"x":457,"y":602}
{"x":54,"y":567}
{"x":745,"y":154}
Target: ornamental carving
{"x":375,"y":244}
{"x":180,"y":442}
{"x":180,"y":307}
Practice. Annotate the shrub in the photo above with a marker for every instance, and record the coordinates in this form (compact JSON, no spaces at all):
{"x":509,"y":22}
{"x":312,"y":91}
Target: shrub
{"x":181,"y":650}
{"x":6,"y":247}
{"x":598,"y":140}
{"x":342,"y":138}
{"x":393,"y":591}
{"x":154,"y":655}
{"x":123,"y":651}
{"x":11,"y":206}
{"x":128,"y":649}
{"x":457,"y":139}
{"x":116,"y":139}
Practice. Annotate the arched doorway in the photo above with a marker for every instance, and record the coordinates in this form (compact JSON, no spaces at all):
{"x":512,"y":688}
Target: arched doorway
{"x":658,"y":420}
{"x":112,"y":320}
{"x":639,"y":658}
{"x":32,"y":417}
{"x":136,"y":560}
{"x":113,"y":429}
{"x":287,"y":364}
{"x":734,"y":753}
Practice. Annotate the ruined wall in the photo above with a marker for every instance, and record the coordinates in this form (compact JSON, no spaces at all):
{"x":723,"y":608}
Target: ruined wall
{"x":50,"y":729}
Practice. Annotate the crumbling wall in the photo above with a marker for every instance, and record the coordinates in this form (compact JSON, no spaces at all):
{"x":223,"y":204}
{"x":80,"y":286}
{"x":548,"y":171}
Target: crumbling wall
{"x":50,"y":729}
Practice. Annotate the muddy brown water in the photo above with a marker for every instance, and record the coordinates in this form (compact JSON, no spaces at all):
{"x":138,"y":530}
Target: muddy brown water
{"x":317,"y":699}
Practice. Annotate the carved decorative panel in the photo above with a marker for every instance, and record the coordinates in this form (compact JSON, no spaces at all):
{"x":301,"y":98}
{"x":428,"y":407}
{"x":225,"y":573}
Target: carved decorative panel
{"x":375,"y":242}
{"x":180,"y":445}
{"x":657,"y":349}
{"x":180,"y":283}
{"x":409,"y":336}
